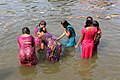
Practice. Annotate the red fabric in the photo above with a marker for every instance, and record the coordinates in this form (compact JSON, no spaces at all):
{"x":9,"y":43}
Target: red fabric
{"x":88,"y":42}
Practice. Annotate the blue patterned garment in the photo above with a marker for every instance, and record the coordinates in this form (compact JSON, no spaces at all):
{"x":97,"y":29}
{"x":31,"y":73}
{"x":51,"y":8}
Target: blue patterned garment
{"x":71,"y":41}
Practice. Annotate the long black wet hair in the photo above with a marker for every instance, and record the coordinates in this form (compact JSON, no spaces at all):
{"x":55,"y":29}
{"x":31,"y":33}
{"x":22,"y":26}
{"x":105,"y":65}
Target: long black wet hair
{"x":65,"y":23}
{"x":42,"y":23}
{"x":89,"y":18}
{"x":25,"y":30}
{"x":88,"y":23}
{"x":96,"y":24}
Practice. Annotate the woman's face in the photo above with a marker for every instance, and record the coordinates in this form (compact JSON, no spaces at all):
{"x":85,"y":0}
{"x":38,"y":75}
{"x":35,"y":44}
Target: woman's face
{"x":42,"y":26}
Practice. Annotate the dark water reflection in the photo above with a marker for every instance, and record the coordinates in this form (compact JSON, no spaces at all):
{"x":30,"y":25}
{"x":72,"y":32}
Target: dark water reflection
{"x":15,"y":14}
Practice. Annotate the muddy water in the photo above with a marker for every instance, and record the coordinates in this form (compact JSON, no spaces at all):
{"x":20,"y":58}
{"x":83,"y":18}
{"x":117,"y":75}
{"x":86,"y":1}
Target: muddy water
{"x":16,"y":14}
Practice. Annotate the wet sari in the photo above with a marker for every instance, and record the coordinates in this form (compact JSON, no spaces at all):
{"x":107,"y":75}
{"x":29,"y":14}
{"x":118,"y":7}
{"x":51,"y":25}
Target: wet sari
{"x":53,"y":47}
{"x":26,"y":53}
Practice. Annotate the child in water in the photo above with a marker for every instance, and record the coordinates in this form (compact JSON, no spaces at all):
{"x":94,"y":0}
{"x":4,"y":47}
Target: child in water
{"x":41,"y":26}
{"x":38,"y":44}
{"x":98,"y":36}
{"x":69,"y":32}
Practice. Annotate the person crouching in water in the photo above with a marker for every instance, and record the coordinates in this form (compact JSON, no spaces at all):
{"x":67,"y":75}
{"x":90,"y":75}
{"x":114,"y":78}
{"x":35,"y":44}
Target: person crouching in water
{"x":69,"y":32}
{"x":26,"y":53}
{"x":52,"y":46}
{"x":42,"y":26}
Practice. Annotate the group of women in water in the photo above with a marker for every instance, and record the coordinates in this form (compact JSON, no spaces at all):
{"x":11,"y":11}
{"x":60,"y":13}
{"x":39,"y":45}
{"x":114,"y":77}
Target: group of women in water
{"x":28,"y":45}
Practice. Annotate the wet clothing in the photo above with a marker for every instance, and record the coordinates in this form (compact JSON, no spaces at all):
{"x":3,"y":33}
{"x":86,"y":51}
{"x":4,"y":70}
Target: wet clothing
{"x":71,"y":41}
{"x":36,"y":30}
{"x":26,"y":51}
{"x":53,"y":49}
{"x":37,"y":41}
{"x":88,"y":42}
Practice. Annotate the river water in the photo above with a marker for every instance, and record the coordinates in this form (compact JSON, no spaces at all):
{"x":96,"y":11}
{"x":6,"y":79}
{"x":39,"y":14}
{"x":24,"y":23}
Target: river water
{"x":16,"y":14}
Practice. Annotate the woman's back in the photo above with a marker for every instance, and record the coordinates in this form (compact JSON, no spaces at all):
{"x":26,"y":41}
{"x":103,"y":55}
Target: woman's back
{"x":26,"y":50}
{"x":25,"y":41}
{"x":89,"y":33}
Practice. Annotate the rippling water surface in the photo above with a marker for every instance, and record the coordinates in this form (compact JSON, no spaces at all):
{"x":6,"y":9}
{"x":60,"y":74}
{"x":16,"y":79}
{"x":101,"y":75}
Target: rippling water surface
{"x":16,"y":14}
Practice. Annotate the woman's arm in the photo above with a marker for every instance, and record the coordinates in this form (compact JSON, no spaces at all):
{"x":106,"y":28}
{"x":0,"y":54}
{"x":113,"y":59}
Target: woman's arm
{"x":80,"y":40}
{"x":67,"y":33}
{"x":100,"y":32}
{"x":42,"y":45}
{"x":18,"y":45}
{"x":61,"y":36}
{"x":18,"y":42}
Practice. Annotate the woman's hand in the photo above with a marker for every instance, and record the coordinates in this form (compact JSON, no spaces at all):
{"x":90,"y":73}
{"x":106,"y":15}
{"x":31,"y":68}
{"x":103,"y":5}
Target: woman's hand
{"x":61,"y":36}
{"x":57,"y":39}
{"x":76,"y":46}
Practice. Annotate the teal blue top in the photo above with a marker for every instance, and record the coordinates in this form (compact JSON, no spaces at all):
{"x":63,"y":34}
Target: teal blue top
{"x":71,"y":41}
{"x":38,"y":27}
{"x":72,"y":31}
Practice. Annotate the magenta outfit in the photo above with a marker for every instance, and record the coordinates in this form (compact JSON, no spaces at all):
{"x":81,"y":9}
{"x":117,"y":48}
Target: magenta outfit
{"x":88,"y":42}
{"x":37,"y":41}
{"x":26,"y":51}
{"x":36,"y":30}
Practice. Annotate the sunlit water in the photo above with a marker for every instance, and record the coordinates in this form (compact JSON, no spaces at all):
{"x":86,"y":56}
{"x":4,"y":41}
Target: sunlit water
{"x":16,"y":14}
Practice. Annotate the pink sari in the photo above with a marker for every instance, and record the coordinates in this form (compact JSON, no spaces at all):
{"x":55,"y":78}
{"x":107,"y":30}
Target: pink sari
{"x":88,"y":42}
{"x":26,"y":51}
